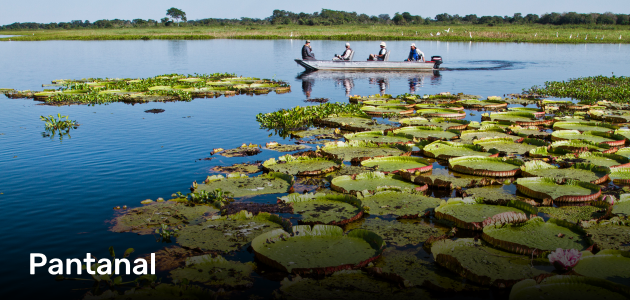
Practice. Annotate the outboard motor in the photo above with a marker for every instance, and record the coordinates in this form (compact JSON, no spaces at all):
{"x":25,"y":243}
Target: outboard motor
{"x":437,"y":60}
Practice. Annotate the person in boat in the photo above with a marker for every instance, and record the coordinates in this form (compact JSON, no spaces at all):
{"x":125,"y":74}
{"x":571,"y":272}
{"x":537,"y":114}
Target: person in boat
{"x":415,"y":54}
{"x":307,"y":51}
{"x":345,"y":55}
{"x":381,"y":53}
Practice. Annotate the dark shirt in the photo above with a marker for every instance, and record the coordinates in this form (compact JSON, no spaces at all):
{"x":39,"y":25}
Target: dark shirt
{"x":307,"y":53}
{"x":413,"y":55}
{"x":382,"y":52}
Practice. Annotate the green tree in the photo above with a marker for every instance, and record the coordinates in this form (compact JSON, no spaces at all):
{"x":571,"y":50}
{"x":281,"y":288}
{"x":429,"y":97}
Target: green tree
{"x":177,"y":14}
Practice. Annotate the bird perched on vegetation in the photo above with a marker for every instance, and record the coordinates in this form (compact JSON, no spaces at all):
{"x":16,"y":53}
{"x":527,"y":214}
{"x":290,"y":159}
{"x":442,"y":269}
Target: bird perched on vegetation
{"x":438,"y":33}
{"x":470,"y":33}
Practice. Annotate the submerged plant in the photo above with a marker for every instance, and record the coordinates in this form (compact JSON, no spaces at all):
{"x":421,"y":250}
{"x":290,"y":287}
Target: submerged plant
{"x":564,"y":260}
{"x":58,"y":125}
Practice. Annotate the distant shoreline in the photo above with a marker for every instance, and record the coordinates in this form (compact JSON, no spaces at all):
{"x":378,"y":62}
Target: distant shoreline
{"x":569,"y":34}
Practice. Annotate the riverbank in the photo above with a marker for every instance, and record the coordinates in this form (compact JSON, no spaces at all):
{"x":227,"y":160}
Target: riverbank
{"x":610,"y":34}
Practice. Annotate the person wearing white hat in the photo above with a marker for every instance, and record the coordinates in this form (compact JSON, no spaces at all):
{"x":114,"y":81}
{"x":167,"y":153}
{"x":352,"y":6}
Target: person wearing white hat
{"x":415,"y":54}
{"x":381,"y":54}
{"x":345,"y":55}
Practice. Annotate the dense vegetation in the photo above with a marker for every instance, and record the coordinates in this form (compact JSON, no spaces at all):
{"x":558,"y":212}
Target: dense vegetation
{"x":588,"y":89}
{"x":332,"y":17}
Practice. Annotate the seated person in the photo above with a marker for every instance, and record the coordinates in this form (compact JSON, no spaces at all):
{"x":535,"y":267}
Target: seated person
{"x":381,"y":54}
{"x":345,"y":55}
{"x":415,"y":54}
{"x":307,"y":51}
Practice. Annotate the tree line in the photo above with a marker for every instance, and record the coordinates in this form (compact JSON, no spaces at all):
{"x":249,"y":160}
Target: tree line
{"x":333,"y":17}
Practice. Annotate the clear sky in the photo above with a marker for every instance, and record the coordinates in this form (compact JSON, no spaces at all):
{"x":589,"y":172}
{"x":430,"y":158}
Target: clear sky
{"x":45,"y":11}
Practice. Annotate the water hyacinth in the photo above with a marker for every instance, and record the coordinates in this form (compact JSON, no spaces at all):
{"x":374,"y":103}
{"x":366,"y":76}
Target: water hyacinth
{"x":564,"y":260}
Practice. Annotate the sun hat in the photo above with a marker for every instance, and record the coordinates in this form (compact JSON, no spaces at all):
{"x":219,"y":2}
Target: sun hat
{"x":308,"y":41}
{"x":347,"y":44}
{"x":383,"y":44}
{"x":413,"y":44}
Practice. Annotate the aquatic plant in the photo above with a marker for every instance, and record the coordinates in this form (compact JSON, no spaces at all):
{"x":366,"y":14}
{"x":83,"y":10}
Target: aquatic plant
{"x":564,"y":260}
{"x":58,"y":125}
{"x":587,"y":89}
{"x":165,"y":233}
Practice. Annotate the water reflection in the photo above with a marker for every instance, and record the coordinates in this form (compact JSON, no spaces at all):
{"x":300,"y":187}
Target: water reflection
{"x":383,"y":80}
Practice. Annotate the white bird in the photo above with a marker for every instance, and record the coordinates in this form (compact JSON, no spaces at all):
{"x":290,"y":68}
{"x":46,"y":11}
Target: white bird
{"x":570,"y":36}
{"x":416,"y":33}
{"x":602,"y":37}
{"x":448,"y":30}
{"x":438,"y":33}
{"x":577,"y":36}
{"x":620,"y":36}
{"x":596,"y":36}
{"x":291,"y":33}
{"x":431,"y":33}
{"x":535,"y":35}
{"x":586,"y":38}
{"x":401,"y":33}
{"x":556,"y":34}
{"x":470,"y":33}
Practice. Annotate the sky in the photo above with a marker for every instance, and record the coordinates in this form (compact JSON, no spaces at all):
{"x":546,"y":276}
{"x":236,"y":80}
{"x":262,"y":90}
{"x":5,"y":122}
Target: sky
{"x":46,"y":11}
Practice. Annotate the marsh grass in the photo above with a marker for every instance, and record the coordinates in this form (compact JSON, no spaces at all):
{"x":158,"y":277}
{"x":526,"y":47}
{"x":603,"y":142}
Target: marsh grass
{"x":588,"y":89}
{"x":500,"y":33}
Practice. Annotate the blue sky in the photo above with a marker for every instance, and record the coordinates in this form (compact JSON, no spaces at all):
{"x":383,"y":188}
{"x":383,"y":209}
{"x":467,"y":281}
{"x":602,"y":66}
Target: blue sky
{"x":45,"y":11}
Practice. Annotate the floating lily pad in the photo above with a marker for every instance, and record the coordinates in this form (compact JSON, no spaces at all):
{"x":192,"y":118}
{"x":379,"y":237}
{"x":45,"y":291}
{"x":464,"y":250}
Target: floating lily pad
{"x":528,"y":131}
{"x":623,"y":132}
{"x":580,"y":171}
{"x":244,"y":150}
{"x":548,"y":152}
{"x":574,"y":214}
{"x":568,"y":287}
{"x":620,"y":175}
{"x":515,"y":117}
{"x":241,"y":185}
{"x":536,"y":111}
{"x":428,"y":132}
{"x":228,"y":233}
{"x":535,"y":237}
{"x":216,"y":272}
{"x":359,"y":150}
{"x":599,"y":159}
{"x":379,"y":137}
{"x":612,"y":265}
{"x":491,"y":194}
{"x":591,"y":136}
{"x":353,"y":123}
{"x":161,"y":291}
{"x":385,"y":102}
{"x":584,"y":126}
{"x":473,"y":103}
{"x":413,"y":121}
{"x":407,"y":269}
{"x":609,"y":234}
{"x":441,"y":113}
{"x":323,"y":208}
{"x":469,"y":213}
{"x":322,"y":249}
{"x":482,"y":264}
{"x":245,"y":168}
{"x":398,"y":203}
{"x":313,"y":132}
{"x":145,"y":219}
{"x":443,"y":123}
{"x":570,"y":191}
{"x":399,"y":233}
{"x":622,"y":206}
{"x":508,"y":146}
{"x":301,"y":165}
{"x":369,"y":182}
{"x":284,"y":148}
{"x":582,"y":145}
{"x":468,"y":136}
{"x":395,"y":163}
{"x":381,"y":110}
{"x":445,"y":150}
{"x":625,"y":152}
{"x":485,"y":166}
{"x":442,"y":181}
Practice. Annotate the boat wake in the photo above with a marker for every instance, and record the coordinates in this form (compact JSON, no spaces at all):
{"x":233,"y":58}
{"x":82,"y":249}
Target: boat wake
{"x":493,"y":65}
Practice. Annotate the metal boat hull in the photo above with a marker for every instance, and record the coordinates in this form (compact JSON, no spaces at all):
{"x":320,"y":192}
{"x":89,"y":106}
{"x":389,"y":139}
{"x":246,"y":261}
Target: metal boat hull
{"x":330,"y":65}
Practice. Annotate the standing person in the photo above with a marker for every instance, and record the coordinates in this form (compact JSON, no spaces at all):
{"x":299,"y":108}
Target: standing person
{"x":415,"y":54}
{"x":307,"y":51}
{"x":381,"y":53}
{"x":345,"y":55}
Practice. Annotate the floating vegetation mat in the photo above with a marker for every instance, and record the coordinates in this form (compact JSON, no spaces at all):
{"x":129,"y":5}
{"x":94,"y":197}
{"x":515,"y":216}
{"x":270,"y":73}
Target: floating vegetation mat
{"x":301,"y":165}
{"x":324,"y":208}
{"x":169,"y":87}
{"x":240,"y":185}
{"x":370,"y":182}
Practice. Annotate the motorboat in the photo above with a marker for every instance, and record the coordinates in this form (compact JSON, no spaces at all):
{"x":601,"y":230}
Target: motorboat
{"x":382,"y":65}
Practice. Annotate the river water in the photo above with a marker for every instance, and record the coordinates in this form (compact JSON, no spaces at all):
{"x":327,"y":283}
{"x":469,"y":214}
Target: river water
{"x":57,"y":196}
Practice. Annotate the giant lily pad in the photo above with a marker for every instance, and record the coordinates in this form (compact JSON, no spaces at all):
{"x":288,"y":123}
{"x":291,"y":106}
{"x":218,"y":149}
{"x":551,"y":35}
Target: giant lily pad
{"x":535,"y":237}
{"x":243,"y":150}
{"x":441,"y":113}
{"x":353,"y":123}
{"x":481,"y":264}
{"x":322,"y":208}
{"x":582,"y":146}
{"x":580,"y":171}
{"x":528,"y":131}
{"x":145,"y":219}
{"x":398,"y":232}
{"x":575,"y":214}
{"x":398,"y":203}
{"x":536,"y":111}
{"x":358,"y":150}
{"x":568,"y":287}
{"x":428,"y":132}
{"x":395,"y":163}
{"x":622,"y":206}
{"x":322,"y":249}
{"x":228,"y":233}
{"x":381,"y":110}
{"x":599,"y":159}
{"x":485,"y":166}
{"x":492,"y":131}
{"x":620,"y":175}
{"x":584,"y":126}
{"x":508,"y":146}
{"x":366,"y":183}
{"x":515,"y":117}
{"x":241,"y":185}
{"x":612,"y":265}
{"x":313,"y":132}
{"x":570,"y":191}
{"x":385,"y":102}
{"x":609,"y":234}
{"x":591,"y":136}
{"x":473,"y":103}
{"x":245,"y":168}
{"x":379,"y":137}
{"x":442,"y":179}
{"x":284,"y":148}
{"x":625,"y":152}
{"x":216,"y":272}
{"x":491,"y":194}
{"x":469,"y":213}
{"x":443,"y":123}
{"x":623,"y":132}
{"x":445,"y":150}
{"x":302,"y":165}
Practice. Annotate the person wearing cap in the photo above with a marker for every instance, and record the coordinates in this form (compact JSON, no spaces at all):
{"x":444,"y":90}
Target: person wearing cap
{"x":415,"y":54}
{"x":381,"y":54}
{"x":307,"y":51}
{"x":345,"y":55}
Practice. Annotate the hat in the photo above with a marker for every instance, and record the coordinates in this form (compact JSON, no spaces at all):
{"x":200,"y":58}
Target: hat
{"x":308,"y":41}
{"x":347,"y":44}
{"x":383,"y":44}
{"x":413,"y":44}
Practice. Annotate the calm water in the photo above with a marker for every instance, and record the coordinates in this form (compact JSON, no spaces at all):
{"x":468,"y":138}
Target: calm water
{"x":58,"y":196}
